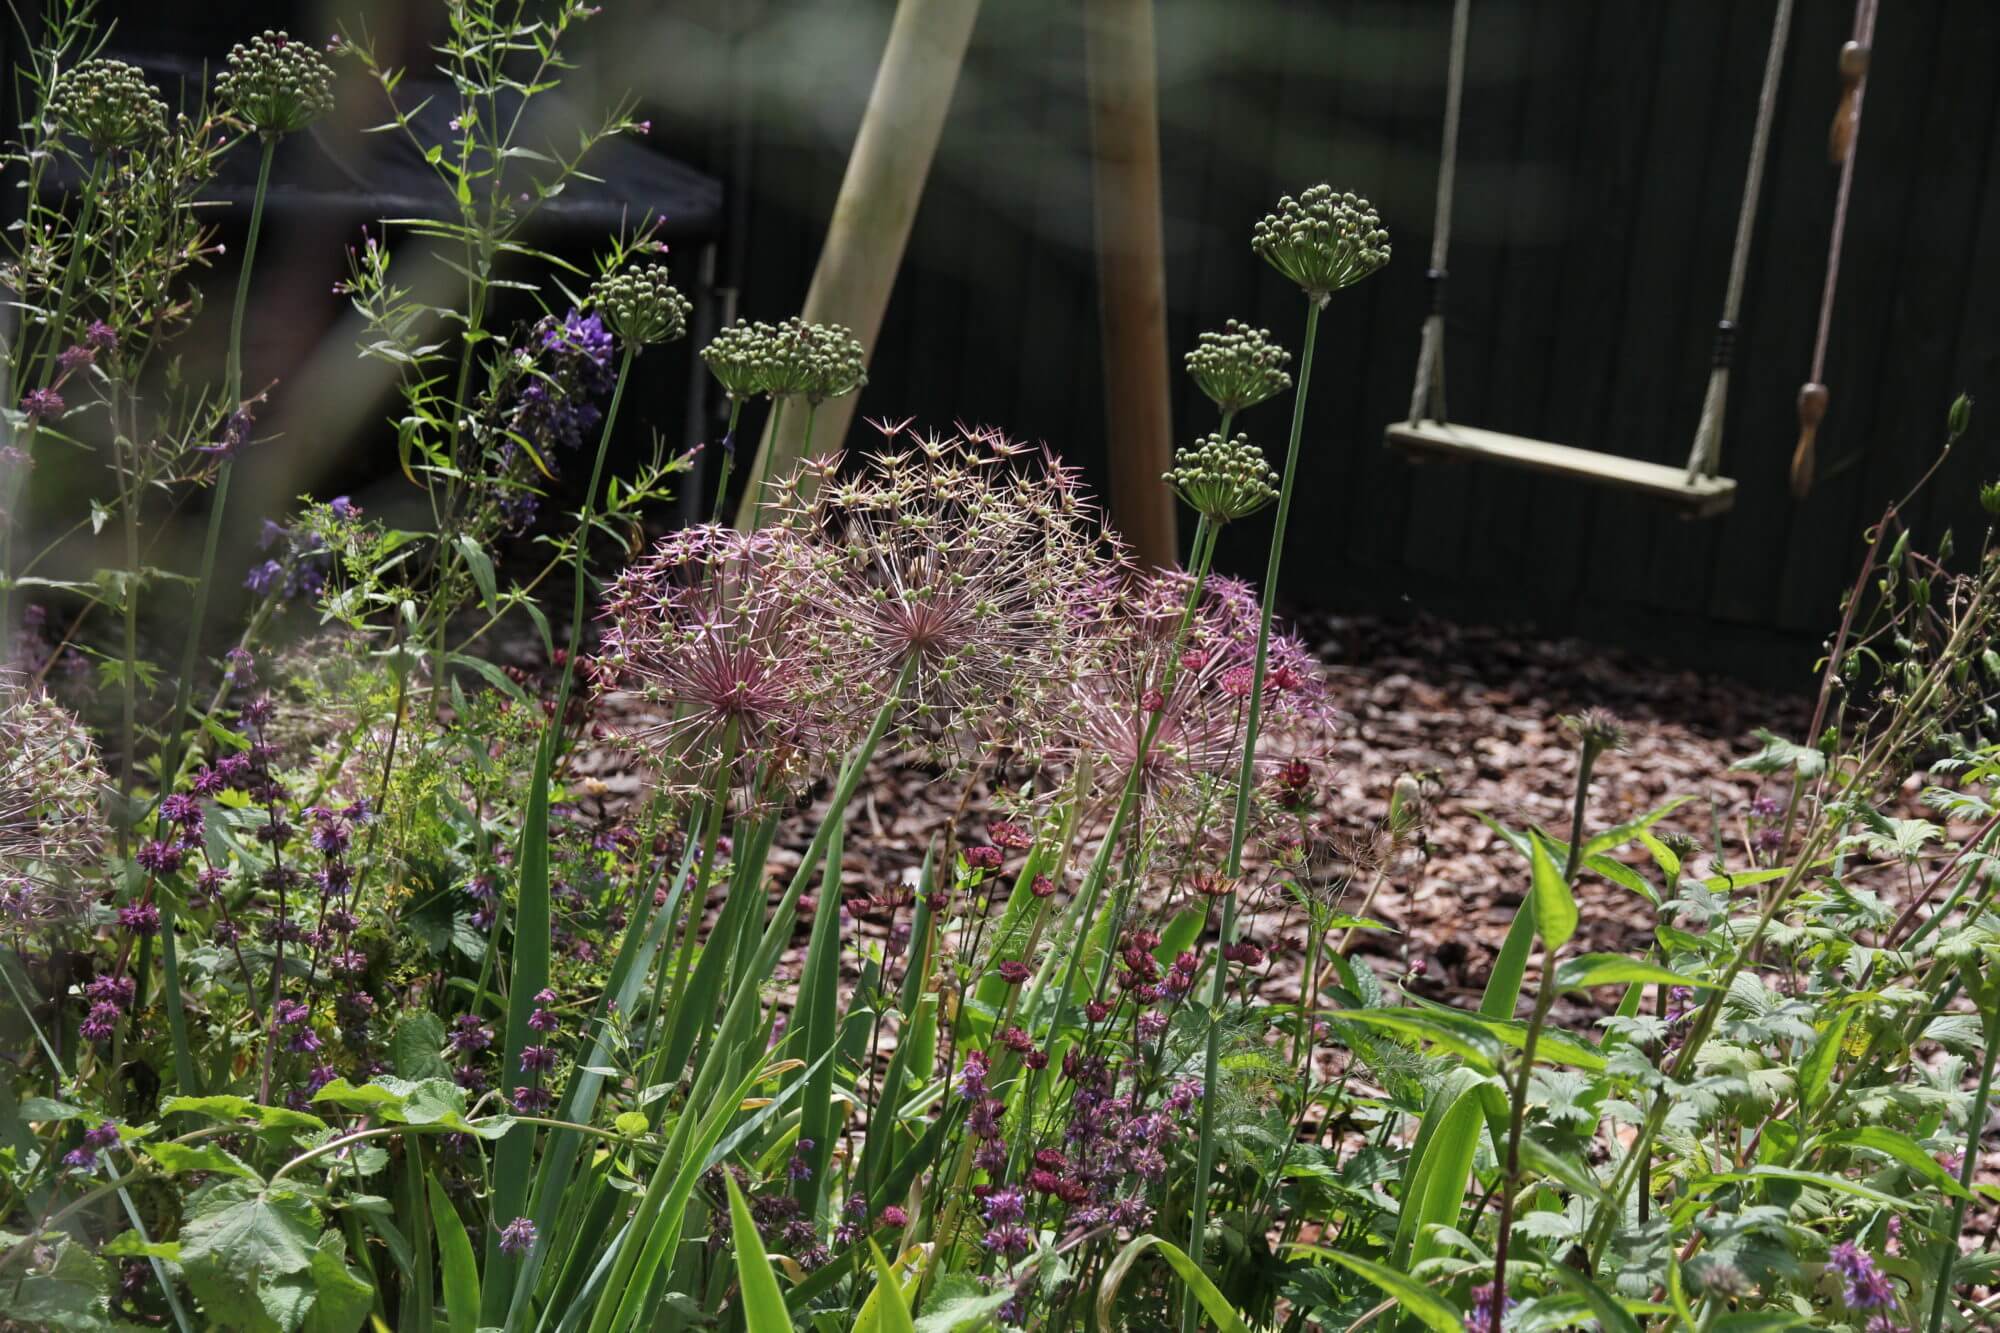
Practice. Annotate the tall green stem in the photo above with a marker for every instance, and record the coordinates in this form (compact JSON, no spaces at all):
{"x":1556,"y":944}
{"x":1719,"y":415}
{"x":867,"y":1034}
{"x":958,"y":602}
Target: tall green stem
{"x":1545,"y":994}
{"x":728,"y":459}
{"x":582,"y":559}
{"x":232,"y":396}
{"x":1246,"y":779}
{"x":1973,"y":1127}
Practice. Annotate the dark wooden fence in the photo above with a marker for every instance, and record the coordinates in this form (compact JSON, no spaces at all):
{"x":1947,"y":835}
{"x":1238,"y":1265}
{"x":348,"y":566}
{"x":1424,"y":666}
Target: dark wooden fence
{"x":1603,"y":153}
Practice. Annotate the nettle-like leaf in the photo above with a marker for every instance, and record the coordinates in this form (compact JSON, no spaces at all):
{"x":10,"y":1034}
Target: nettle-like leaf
{"x":1647,"y":1031}
{"x":1894,"y":839}
{"x":1567,"y":1099}
{"x":1782,"y":756}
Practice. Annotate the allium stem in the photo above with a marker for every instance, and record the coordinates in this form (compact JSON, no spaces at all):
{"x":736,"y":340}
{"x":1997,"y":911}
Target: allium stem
{"x":728,"y":460}
{"x":1974,"y":1124}
{"x":582,"y":562}
{"x":1245,"y":782}
{"x":232,"y":394}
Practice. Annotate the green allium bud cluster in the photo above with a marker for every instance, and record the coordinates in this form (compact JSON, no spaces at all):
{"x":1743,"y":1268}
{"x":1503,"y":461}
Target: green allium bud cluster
{"x":109,"y":103}
{"x":277,"y":85}
{"x":742,"y":358}
{"x":817,"y":361}
{"x":1322,"y":241}
{"x":1596,"y":729}
{"x":640,"y":306}
{"x":1223,"y":479}
{"x":1239,"y":367}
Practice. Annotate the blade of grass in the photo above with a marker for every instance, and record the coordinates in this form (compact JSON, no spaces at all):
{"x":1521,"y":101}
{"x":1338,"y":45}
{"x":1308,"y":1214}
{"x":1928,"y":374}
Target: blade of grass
{"x":461,"y":1270}
{"x":762,"y":1299}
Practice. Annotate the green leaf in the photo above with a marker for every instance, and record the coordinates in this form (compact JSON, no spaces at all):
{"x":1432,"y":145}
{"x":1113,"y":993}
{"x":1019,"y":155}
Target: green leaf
{"x":223,"y":1107}
{"x":892,"y":1309}
{"x":460,"y":1269}
{"x":1412,"y":1296}
{"x":1510,"y":965}
{"x":481,"y":566}
{"x":1611,"y":969}
{"x":1441,"y":1161}
{"x":1901,"y":1147}
{"x":1555,"y":905}
{"x":1782,"y":756}
{"x":1612,"y":1317}
{"x":341,"y":1298}
{"x":1623,"y":833}
{"x":1220,"y":1312}
{"x":416,"y":1045}
{"x":1816,"y":1073}
{"x":1817,"y":1179}
{"x":763,"y":1299}
{"x":175,"y":1158}
{"x":246,"y":1228}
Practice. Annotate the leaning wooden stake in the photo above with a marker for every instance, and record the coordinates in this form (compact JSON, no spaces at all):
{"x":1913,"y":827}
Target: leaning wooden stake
{"x":872,"y":215}
{"x":1131,"y":271}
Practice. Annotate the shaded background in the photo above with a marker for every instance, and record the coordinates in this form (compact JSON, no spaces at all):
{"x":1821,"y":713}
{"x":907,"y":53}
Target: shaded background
{"x":1602,"y":157}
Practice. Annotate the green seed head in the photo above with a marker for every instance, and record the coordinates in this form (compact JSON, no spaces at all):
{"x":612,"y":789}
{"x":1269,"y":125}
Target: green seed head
{"x":1223,"y":479}
{"x":817,"y":361}
{"x":109,"y":104}
{"x":742,"y":358}
{"x":276,"y":85}
{"x":640,"y":306}
{"x":1322,"y":241}
{"x":1239,"y":367}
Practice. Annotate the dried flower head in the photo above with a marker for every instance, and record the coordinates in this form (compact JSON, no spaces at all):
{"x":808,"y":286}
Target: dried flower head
{"x":1239,"y":367}
{"x":964,"y":561}
{"x":815,"y":361}
{"x":1322,"y":241}
{"x":742,"y":358}
{"x":704,"y":630}
{"x":50,"y":828}
{"x":1223,"y":479}
{"x":1596,"y":730}
{"x":109,"y":104}
{"x":640,"y":306}
{"x":277,"y":85}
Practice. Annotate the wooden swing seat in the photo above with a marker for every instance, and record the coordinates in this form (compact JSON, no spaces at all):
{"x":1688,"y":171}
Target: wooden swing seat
{"x":1697,"y":497}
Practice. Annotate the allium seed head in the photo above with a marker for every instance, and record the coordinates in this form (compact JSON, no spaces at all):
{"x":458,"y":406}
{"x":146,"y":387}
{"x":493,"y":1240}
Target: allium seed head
{"x":50,"y":828}
{"x":742,"y":358}
{"x":277,"y":85}
{"x":1223,"y":479}
{"x":109,"y":104}
{"x":640,"y":306}
{"x":815,"y":361}
{"x":1322,"y":241}
{"x":1239,"y":367}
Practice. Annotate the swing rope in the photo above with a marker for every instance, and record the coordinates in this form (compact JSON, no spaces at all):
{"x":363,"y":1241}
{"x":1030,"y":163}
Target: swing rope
{"x":1427,"y":396}
{"x":1842,"y":140}
{"x":1706,"y":454}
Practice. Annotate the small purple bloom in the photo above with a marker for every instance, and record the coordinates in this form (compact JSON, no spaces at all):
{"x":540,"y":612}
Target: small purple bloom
{"x":517,"y":1237}
{"x":40,"y":404}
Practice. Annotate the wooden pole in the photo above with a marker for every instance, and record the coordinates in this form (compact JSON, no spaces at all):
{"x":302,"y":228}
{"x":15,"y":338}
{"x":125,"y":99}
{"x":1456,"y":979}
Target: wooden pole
{"x":1131,"y":271}
{"x":872,"y":215}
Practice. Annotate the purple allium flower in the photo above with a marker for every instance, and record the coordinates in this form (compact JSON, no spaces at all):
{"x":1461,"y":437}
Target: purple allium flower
{"x":74,"y":357}
{"x":100,"y":337}
{"x":798,"y":1168}
{"x":705,"y":628}
{"x":116,"y":990}
{"x":1013,"y":972}
{"x":892,"y":1216}
{"x":517,"y":1237}
{"x":532,"y":1100}
{"x":41,"y":404}
{"x":961,"y":560}
{"x":537,"y":1059}
{"x":180,"y":808}
{"x":983,"y":858}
